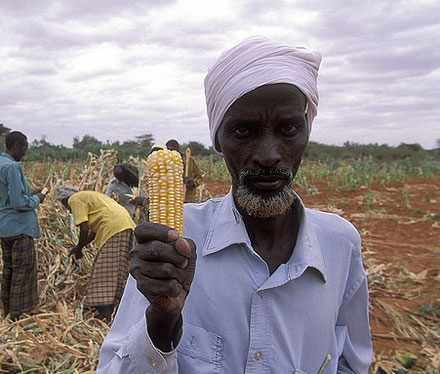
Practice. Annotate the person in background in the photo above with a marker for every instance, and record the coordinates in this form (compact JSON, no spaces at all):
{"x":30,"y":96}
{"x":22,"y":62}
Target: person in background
{"x":121,"y":187}
{"x":157,"y":147}
{"x":18,"y":229}
{"x":258,"y":283}
{"x":192,"y":176}
{"x":108,"y":224}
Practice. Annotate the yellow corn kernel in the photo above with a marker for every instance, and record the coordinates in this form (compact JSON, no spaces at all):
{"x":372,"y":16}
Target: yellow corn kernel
{"x":165,"y":188}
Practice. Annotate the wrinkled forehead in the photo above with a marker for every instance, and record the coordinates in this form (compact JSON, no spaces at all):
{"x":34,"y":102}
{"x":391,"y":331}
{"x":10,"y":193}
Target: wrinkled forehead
{"x":284,"y":94}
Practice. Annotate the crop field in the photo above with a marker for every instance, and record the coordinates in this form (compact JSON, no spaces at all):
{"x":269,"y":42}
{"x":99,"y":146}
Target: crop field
{"x":395,"y":207}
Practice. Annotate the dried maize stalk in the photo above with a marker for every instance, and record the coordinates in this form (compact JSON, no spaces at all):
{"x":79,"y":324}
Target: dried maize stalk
{"x":165,"y":188}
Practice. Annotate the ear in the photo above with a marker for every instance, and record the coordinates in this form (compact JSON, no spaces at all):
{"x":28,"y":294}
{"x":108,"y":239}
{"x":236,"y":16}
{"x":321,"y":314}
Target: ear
{"x":217,"y":144}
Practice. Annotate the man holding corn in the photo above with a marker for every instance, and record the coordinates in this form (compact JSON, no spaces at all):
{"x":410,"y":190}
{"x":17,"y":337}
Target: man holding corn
{"x":18,"y":228}
{"x":276,"y":287}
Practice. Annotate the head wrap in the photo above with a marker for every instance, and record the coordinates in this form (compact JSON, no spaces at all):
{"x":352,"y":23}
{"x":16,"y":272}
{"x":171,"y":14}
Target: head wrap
{"x":255,"y":62}
{"x":130,"y":174}
{"x":66,"y":192}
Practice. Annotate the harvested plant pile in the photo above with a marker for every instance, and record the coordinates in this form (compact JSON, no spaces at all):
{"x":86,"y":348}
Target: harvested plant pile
{"x":405,"y":300}
{"x":61,"y":337}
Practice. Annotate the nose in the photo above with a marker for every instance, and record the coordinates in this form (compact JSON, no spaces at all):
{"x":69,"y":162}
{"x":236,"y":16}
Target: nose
{"x":267,"y":152}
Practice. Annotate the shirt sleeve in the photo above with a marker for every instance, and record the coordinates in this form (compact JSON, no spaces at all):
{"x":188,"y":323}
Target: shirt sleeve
{"x":79,"y":210}
{"x":357,"y":351}
{"x":133,"y":352}
{"x":109,"y":189}
{"x":19,"y":196}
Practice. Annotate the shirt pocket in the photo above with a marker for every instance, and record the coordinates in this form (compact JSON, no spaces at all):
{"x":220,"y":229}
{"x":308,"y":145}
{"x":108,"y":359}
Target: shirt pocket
{"x":201,"y":351}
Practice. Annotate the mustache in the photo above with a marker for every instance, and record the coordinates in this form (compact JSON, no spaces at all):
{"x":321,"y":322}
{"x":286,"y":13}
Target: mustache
{"x":249,"y":173}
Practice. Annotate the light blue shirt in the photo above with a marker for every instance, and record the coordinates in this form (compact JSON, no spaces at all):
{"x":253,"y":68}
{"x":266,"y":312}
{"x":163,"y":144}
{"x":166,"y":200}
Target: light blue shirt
{"x":240,"y":319}
{"x":17,"y":214}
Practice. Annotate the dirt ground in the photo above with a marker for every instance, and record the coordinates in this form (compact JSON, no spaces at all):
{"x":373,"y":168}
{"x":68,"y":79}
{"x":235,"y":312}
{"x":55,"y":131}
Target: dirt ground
{"x":400,"y":228}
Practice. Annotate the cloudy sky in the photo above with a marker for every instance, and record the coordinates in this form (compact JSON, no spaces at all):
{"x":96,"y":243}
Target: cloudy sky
{"x":116,"y":69}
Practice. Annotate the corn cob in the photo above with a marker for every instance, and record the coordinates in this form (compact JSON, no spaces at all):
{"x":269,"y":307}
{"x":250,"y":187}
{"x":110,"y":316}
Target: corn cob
{"x":165,"y":188}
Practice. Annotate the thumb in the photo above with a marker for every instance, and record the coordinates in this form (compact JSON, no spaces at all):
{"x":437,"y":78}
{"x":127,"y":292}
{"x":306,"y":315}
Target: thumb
{"x":187,"y":248}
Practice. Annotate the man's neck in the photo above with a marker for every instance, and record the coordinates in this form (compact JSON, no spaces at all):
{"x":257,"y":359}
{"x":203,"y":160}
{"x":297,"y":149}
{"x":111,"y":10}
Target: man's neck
{"x":10,"y":153}
{"x":274,"y":238}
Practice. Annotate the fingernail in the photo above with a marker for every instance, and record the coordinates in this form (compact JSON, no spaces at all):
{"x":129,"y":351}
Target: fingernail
{"x":173,"y":235}
{"x":185,"y":264}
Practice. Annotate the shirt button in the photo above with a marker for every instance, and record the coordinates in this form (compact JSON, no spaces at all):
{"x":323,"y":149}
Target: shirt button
{"x":154,"y":364}
{"x":258,"y":355}
{"x":261,"y":292}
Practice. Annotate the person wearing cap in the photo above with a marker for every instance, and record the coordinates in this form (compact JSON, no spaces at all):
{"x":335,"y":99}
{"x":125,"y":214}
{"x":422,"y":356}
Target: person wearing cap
{"x":258,"y":283}
{"x":120,"y":187}
{"x":18,"y":229}
{"x":102,"y":220}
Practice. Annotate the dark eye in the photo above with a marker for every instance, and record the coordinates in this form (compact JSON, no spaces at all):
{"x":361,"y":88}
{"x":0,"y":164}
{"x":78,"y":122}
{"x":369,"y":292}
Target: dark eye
{"x":288,"y":129}
{"x":242,"y":131}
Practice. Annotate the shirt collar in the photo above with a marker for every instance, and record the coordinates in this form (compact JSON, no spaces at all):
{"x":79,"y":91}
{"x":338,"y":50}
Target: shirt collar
{"x":307,"y":251}
{"x":228,"y":220}
{"x":7,"y":155}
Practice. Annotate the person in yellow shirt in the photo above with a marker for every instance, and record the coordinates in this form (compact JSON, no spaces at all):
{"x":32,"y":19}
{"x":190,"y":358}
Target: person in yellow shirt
{"x":102,"y":219}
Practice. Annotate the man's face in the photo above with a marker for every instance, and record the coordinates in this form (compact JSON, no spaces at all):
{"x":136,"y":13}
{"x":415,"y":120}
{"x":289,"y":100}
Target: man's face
{"x":263,"y":137}
{"x":19,"y":150}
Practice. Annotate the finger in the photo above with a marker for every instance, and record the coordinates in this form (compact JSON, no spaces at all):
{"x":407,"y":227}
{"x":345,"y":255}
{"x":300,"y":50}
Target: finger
{"x":158,"y":270}
{"x":190,"y":268}
{"x":186,"y":247}
{"x":151,"y":287}
{"x":148,"y":231}
{"x":156,"y":251}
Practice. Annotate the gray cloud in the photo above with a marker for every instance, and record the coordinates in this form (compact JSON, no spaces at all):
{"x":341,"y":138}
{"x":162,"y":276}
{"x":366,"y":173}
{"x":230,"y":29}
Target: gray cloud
{"x":117,"y":69}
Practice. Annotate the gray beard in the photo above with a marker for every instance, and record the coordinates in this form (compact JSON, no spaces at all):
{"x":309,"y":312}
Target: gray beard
{"x":261,"y":206}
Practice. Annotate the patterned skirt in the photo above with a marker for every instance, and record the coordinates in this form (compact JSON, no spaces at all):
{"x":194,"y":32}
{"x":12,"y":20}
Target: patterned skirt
{"x":19,"y":290}
{"x":110,"y":271}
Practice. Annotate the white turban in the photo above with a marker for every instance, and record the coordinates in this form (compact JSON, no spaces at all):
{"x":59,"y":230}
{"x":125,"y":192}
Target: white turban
{"x":255,"y":62}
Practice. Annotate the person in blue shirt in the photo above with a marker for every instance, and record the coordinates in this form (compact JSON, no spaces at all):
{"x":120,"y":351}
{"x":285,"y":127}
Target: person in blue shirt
{"x":18,"y":228}
{"x":258,"y":283}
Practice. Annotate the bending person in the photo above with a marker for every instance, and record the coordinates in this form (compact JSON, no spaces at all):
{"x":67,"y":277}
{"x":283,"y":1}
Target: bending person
{"x":103,"y":220}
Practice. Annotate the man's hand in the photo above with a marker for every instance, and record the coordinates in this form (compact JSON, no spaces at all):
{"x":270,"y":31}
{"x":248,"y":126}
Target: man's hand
{"x":76,"y":252}
{"x":36,"y":191}
{"x":163,"y":265}
{"x":40,"y":196}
